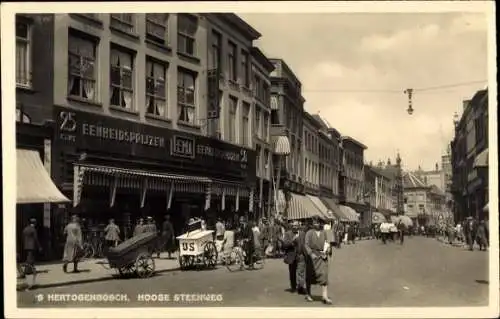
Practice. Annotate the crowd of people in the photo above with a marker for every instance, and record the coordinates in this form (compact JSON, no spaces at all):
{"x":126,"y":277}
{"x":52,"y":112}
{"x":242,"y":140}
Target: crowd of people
{"x":469,"y":232}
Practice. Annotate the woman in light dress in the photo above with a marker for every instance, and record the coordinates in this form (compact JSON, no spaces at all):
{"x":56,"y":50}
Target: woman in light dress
{"x":73,"y":246}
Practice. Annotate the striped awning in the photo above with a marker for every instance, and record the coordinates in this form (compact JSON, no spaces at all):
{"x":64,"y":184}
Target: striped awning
{"x":299,"y":207}
{"x":131,"y":178}
{"x":281,"y":145}
{"x":378,"y":218}
{"x":327,"y":215}
{"x":334,"y":209}
{"x":218,"y":188}
{"x":34,"y":184}
{"x":350,"y":213}
{"x":274,"y":103}
{"x":481,"y":160}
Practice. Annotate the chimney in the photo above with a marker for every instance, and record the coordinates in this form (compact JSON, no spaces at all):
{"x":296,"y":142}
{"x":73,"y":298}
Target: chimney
{"x":466,"y":103}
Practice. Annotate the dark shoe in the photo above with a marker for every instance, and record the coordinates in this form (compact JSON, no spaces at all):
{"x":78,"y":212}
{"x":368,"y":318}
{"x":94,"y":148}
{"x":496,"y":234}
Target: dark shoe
{"x":76,"y":271}
{"x":309,"y":298}
{"x":65,"y":268}
{"x":301,"y":291}
{"x":291,"y":290}
{"x":327,"y":301}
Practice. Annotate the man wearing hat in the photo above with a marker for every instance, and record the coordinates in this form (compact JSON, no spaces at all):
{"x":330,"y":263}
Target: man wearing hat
{"x":140,"y":227}
{"x":290,"y":258}
{"x":245,"y":234}
{"x":31,"y":245}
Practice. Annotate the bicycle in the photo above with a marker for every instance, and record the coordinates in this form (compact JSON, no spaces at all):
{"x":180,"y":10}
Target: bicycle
{"x":236,"y":258}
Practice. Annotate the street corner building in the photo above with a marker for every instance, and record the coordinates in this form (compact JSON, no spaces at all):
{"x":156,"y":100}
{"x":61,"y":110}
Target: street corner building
{"x":136,"y":115}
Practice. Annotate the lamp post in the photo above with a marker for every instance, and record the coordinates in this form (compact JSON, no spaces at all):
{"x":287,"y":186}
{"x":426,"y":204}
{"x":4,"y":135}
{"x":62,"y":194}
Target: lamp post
{"x":281,"y":150}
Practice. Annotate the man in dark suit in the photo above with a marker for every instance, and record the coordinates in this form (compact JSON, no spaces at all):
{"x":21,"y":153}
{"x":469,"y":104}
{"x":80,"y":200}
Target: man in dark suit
{"x":290,"y":258}
{"x":245,"y":234}
{"x":31,"y":245}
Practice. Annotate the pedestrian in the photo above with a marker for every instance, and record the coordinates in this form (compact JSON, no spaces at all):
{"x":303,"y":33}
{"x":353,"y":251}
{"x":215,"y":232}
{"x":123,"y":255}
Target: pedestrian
{"x":290,"y":253}
{"x":481,"y":237}
{"x":112,"y":234}
{"x":265,"y":236}
{"x":337,"y":230}
{"x":470,"y":232}
{"x":401,"y":231}
{"x":317,"y":249}
{"x":384,"y":231}
{"x":168,"y":237}
{"x":139,"y":228}
{"x":31,"y":245}
{"x":245,"y":234}
{"x":220,"y":229}
{"x":301,"y":255}
{"x":228,"y":241}
{"x":73,"y":246}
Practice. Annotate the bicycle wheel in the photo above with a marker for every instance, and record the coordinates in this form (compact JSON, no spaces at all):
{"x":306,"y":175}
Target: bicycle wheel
{"x":234,"y":262}
{"x":88,"y":250}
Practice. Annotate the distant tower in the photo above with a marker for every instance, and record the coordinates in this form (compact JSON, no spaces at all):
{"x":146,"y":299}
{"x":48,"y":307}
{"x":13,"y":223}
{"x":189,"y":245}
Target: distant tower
{"x":399,"y":187}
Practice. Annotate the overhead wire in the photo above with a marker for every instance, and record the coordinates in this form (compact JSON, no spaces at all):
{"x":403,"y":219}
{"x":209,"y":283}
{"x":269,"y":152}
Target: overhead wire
{"x":422,"y":89}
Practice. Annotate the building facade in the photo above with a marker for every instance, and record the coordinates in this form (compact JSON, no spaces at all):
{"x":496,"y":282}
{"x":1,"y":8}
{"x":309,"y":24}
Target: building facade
{"x":138,"y":128}
{"x":469,"y":158}
{"x":352,"y":180}
{"x":312,"y":143}
{"x":34,"y":129}
{"x":425,"y":204}
{"x":261,"y":83}
{"x":379,"y":187}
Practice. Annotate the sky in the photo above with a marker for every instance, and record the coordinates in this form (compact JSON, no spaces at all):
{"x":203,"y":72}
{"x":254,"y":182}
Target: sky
{"x":337,"y":55}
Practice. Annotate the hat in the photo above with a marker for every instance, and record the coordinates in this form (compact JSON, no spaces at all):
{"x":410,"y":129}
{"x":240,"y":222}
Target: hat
{"x":295,"y":224}
{"x":149,"y":217}
{"x":32,"y":220}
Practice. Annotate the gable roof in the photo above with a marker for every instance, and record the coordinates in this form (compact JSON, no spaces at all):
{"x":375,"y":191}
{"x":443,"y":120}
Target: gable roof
{"x":410,"y":180}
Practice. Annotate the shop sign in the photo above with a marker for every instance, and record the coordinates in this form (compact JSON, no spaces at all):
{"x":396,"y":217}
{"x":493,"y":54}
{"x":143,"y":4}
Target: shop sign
{"x":87,"y":131}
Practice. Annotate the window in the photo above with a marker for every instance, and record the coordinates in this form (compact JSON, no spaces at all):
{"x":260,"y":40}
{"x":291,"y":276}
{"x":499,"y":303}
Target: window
{"x":233,"y":105}
{"x":264,"y":126}
{"x":186,"y":96}
{"x":187,"y":25}
{"x":121,"y":77}
{"x":244,"y":124}
{"x":123,"y":21}
{"x":266,"y":162}
{"x":231,"y":60}
{"x":244,"y":69}
{"x":216,"y":50}
{"x":275,"y":117}
{"x":157,"y":27}
{"x":23,"y":54}
{"x":82,"y":73}
{"x":257,"y":123}
{"x":258,"y":158}
{"x":156,"y":101}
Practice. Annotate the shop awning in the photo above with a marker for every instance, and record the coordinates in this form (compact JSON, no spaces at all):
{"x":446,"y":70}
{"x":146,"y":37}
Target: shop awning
{"x":481,"y":160}
{"x":34,"y":184}
{"x":299,"y":207}
{"x":334,"y":208}
{"x":281,"y":145}
{"x":327,"y":215}
{"x":486,"y":207}
{"x":378,"y":218}
{"x":350,"y":213}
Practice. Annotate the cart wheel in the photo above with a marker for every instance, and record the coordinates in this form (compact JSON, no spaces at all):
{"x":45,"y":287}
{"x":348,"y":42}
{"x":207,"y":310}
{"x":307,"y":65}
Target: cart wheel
{"x":186,"y":261}
{"x":210,"y":255}
{"x":127,"y":271}
{"x":145,"y":265}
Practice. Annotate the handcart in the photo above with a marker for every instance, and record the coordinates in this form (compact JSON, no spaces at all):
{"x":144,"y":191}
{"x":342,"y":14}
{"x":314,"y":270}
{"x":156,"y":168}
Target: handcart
{"x":134,"y":256}
{"x":197,"y":248}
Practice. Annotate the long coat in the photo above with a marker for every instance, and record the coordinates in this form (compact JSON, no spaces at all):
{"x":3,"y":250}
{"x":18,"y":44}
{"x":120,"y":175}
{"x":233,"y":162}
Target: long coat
{"x":30,"y":238}
{"x":74,"y":241}
{"x":318,"y":266}
{"x":289,"y":247}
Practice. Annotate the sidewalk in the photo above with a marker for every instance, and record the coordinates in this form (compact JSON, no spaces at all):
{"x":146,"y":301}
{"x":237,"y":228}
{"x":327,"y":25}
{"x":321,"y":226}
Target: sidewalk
{"x":91,"y":270}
